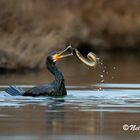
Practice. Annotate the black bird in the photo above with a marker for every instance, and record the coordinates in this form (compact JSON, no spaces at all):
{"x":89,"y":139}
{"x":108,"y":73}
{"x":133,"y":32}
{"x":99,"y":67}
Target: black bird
{"x":56,"y":88}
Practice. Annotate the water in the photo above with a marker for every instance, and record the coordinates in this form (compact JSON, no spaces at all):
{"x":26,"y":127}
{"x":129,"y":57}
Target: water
{"x":84,"y":113}
{"x":96,"y":106}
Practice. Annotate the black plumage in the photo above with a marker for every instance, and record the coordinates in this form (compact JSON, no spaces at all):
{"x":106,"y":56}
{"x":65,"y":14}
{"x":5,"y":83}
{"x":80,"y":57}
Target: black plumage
{"x":56,"y":88}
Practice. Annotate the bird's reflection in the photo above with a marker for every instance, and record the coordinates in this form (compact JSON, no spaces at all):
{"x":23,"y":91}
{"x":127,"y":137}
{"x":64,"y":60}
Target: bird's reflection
{"x":55,"y":115}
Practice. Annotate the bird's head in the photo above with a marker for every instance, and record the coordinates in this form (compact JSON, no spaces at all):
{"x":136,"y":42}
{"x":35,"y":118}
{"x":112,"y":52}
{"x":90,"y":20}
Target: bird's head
{"x":56,"y":56}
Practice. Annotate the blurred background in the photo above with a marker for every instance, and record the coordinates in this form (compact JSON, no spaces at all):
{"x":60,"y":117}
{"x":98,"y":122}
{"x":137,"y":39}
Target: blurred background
{"x":30,"y":30}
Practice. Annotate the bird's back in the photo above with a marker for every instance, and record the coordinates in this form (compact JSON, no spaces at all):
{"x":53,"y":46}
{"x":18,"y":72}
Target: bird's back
{"x":42,"y":90}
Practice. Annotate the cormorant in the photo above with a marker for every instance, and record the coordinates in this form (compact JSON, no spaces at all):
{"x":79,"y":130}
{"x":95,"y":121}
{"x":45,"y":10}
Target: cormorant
{"x":56,"y":88}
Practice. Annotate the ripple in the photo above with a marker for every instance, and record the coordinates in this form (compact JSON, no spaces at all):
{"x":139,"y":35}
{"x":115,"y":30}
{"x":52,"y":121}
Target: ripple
{"x":84,"y":99}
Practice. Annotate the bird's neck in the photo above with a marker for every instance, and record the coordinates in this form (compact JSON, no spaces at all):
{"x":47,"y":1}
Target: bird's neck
{"x":54,"y":70}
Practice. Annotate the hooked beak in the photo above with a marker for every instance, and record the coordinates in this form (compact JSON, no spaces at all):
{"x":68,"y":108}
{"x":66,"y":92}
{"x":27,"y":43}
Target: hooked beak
{"x":60,"y":54}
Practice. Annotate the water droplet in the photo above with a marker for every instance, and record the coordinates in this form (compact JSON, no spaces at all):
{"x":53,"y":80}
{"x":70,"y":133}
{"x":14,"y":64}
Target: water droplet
{"x":102,"y":81}
{"x":100,"y":88}
{"x":101,"y":76}
{"x":114,"y":68}
{"x":103,"y":70}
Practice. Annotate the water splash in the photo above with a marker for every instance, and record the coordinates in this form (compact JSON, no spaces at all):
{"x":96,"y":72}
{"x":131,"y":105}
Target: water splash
{"x":103,"y":72}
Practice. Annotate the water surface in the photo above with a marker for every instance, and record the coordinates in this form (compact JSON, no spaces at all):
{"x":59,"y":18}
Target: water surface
{"x":87,"y":112}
